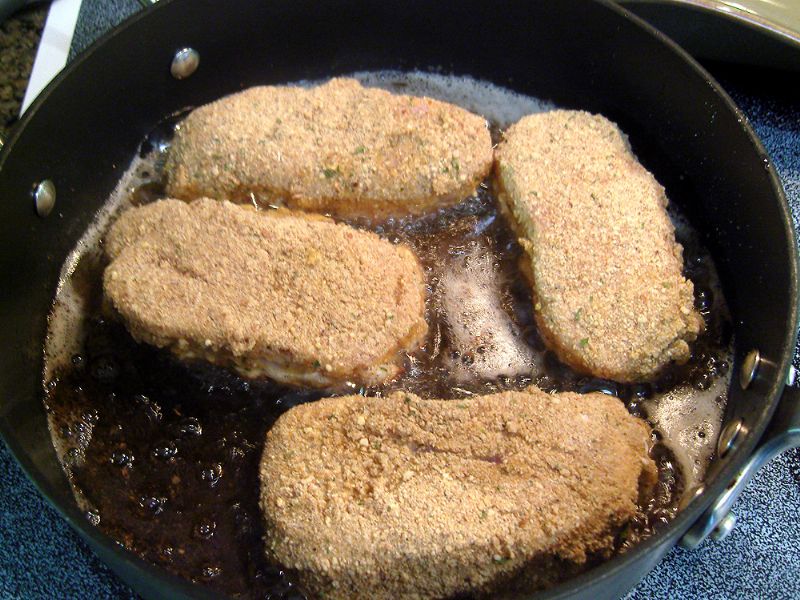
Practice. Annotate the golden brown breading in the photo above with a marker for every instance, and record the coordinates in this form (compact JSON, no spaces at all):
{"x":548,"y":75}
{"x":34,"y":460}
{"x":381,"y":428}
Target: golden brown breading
{"x":292,"y":296}
{"x":400,"y":497}
{"x":606,"y":272}
{"x":337,"y":148}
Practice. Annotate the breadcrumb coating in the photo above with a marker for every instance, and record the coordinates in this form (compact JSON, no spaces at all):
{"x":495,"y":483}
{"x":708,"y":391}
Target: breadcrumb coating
{"x":337,"y":148}
{"x":292,"y":296}
{"x":600,"y":249}
{"x":399,"y":497}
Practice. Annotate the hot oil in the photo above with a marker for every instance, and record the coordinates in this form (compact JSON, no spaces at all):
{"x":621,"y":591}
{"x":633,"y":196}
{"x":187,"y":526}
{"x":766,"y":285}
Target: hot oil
{"x":163,"y":457}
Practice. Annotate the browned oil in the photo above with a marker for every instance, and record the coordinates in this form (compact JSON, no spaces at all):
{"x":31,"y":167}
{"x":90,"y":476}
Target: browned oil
{"x":164,"y":456}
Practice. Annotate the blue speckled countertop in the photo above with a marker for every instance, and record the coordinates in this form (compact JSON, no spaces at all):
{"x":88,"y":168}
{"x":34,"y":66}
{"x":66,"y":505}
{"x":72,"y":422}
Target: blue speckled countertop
{"x":41,"y":557}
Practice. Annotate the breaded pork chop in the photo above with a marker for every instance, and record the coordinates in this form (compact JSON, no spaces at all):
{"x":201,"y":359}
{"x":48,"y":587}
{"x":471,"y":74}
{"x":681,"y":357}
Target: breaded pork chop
{"x":294,"y":297}
{"x":337,"y":148}
{"x":600,"y":249}
{"x":399,"y":497}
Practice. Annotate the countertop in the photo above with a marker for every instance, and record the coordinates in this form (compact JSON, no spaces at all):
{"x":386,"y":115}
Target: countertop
{"x":19,"y":38}
{"x":41,"y":557}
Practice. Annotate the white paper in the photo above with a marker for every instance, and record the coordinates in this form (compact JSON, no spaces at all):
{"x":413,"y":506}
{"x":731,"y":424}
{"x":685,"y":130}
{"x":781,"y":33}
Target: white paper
{"x":54,"y":47}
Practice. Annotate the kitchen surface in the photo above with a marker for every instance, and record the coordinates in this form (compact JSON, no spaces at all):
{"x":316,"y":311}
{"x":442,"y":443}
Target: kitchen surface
{"x":42,"y":557}
{"x":19,"y":39}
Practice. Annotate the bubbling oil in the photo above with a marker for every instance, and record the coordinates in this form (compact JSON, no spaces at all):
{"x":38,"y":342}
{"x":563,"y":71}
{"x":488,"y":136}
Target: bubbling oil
{"x":163,"y":456}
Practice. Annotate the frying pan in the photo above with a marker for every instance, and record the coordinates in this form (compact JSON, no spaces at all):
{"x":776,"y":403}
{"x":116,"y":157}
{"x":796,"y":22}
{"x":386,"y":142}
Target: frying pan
{"x":83,"y":130}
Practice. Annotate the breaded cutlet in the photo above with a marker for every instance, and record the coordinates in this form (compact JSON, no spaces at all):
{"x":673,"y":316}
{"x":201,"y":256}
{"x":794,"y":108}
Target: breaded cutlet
{"x":337,"y":148}
{"x":400,"y":497}
{"x":290,"y":296}
{"x":600,"y":251}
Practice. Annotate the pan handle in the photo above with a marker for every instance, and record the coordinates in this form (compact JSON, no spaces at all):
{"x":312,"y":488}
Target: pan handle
{"x":782,"y":434}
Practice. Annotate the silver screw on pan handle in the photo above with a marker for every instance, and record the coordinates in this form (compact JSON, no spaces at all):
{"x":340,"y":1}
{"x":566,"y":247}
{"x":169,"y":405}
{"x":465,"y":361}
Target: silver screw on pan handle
{"x":44,"y":197}
{"x":749,"y":369}
{"x":184,"y":63}
{"x":724,"y":528}
{"x":730,"y":437}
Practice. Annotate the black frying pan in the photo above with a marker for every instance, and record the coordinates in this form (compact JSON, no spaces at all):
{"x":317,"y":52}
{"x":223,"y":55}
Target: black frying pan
{"x":83,"y":130}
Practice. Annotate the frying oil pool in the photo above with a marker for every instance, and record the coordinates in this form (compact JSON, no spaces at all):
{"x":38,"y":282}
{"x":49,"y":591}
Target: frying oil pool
{"x":163,"y":457}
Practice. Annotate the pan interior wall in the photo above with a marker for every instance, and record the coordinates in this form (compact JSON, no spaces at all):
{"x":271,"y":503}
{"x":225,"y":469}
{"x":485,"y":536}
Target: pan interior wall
{"x":163,"y":456}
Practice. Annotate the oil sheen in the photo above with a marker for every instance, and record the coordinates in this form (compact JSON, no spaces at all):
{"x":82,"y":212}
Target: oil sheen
{"x":163,"y":456}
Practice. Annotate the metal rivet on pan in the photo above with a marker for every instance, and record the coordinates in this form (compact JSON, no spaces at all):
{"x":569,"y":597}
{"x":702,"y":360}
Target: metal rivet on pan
{"x":44,"y":197}
{"x":749,"y":368}
{"x":791,"y":376}
{"x":184,"y":63}
{"x":729,"y":437}
{"x":725,"y":526}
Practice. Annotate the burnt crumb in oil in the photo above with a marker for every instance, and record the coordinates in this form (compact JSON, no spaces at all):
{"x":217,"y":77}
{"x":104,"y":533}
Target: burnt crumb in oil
{"x":165,"y":455}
